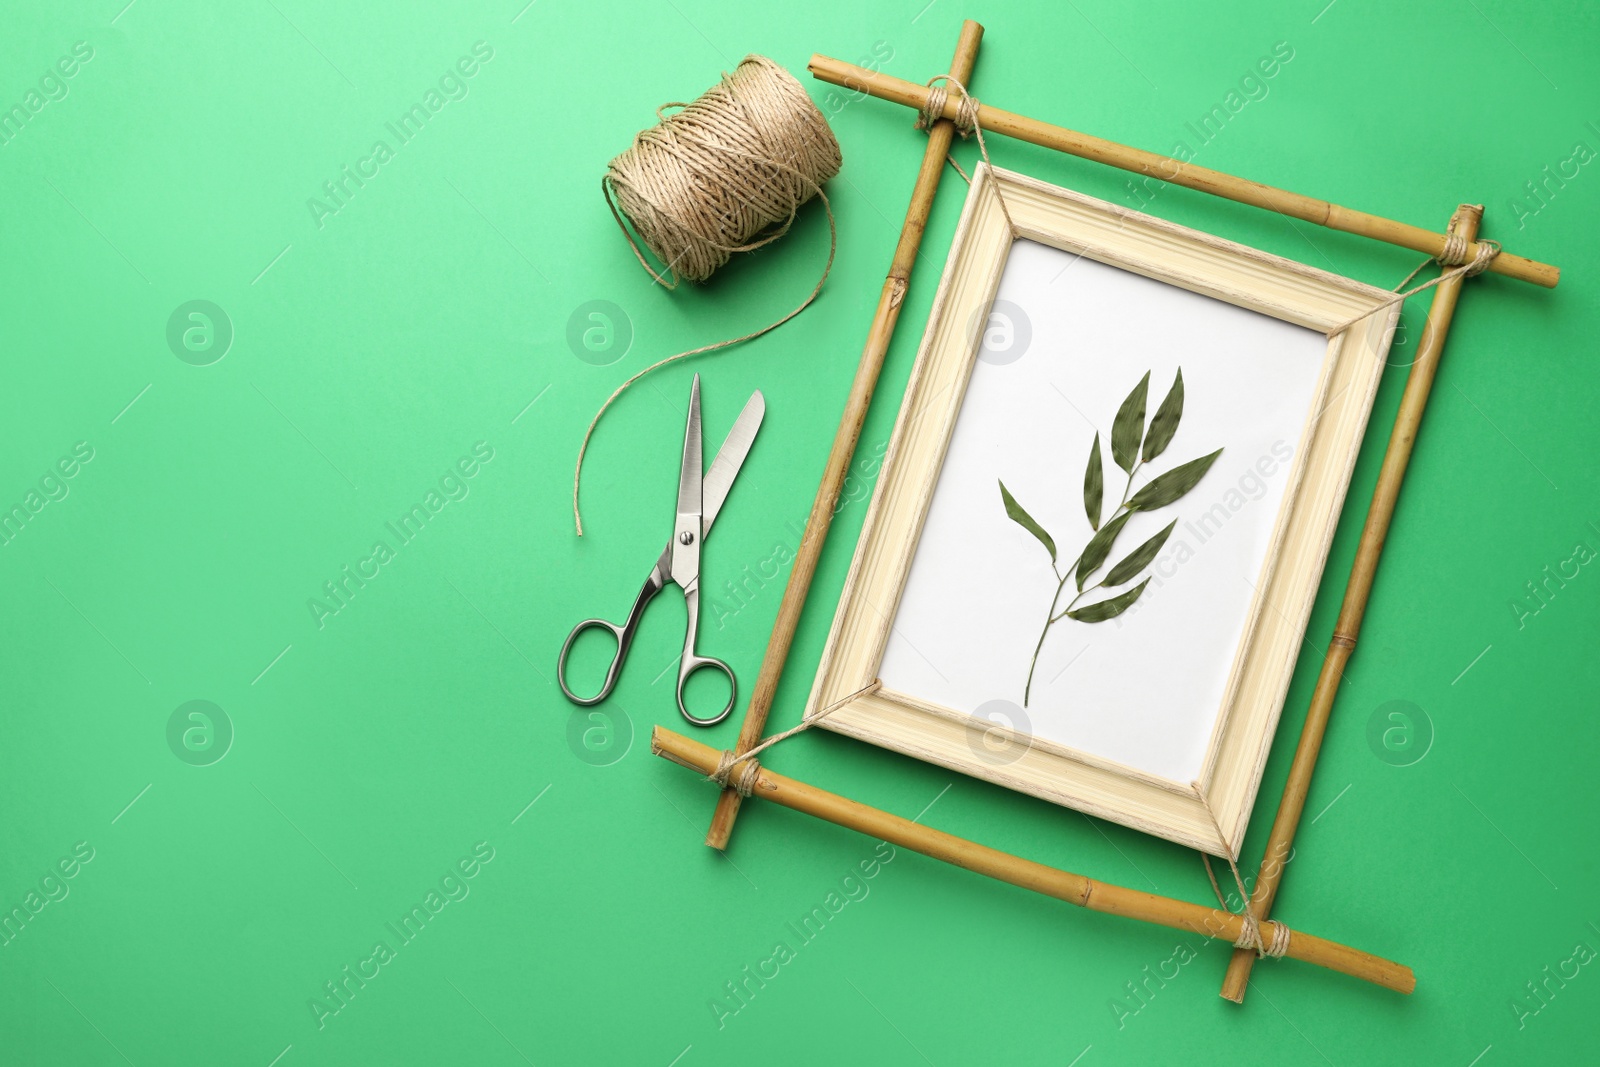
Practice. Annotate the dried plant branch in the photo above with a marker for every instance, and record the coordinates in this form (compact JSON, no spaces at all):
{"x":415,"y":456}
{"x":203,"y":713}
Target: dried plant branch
{"x":1133,"y":446}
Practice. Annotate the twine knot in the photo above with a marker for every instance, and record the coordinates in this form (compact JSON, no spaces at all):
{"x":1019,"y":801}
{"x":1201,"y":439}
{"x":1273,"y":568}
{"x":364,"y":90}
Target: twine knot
{"x":1454,"y":252}
{"x":744,"y":781}
{"x":966,"y":124}
{"x":1452,"y":257}
{"x":1487,"y":250}
{"x":1276,"y":945}
{"x":932,"y":110}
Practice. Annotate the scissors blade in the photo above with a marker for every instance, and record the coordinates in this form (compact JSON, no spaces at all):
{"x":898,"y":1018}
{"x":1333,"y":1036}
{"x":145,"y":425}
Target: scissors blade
{"x":731,"y":456}
{"x":689,"y":527}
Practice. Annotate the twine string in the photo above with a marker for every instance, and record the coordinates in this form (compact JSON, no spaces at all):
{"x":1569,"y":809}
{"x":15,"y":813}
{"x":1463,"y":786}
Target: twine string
{"x":745,"y":780}
{"x":1452,"y":256}
{"x":966,"y":124}
{"x":1275,"y":944}
{"x":725,"y":173}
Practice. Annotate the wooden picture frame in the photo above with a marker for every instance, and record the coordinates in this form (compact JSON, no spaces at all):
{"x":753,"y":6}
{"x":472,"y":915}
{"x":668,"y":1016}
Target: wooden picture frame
{"x":1211,"y":811}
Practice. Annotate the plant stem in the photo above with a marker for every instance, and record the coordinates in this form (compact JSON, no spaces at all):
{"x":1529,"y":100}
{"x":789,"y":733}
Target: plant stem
{"x":1048,"y":621}
{"x":1051,"y":618}
{"x":1129,"y":487}
{"x":1081,"y":594}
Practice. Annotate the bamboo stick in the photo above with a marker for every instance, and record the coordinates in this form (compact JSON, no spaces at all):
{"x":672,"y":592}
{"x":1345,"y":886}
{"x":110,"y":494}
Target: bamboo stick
{"x":1167,"y":169}
{"x":844,"y":442}
{"x":1063,"y":885}
{"x":1401,"y":440}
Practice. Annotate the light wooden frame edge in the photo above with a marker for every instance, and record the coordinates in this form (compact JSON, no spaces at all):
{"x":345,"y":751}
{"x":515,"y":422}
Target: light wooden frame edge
{"x":1211,"y":813}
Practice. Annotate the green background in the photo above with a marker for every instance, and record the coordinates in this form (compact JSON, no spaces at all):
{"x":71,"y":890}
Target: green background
{"x":371,"y":352}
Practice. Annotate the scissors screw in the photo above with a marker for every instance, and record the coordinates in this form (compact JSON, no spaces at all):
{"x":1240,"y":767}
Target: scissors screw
{"x":686,"y":538}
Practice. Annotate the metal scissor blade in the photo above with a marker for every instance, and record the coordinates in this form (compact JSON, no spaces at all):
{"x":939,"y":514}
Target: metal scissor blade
{"x":691,"y":476}
{"x":731,"y":456}
{"x":688,"y":529}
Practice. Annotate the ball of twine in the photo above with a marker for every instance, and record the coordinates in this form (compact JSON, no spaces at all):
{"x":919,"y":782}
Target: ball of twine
{"x":725,"y":174}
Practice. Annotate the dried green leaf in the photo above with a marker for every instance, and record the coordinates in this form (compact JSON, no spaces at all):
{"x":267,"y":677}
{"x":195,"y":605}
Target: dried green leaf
{"x":1099,"y":547}
{"x":1173,"y":484}
{"x":1127,"y":431}
{"x":1165,"y":421}
{"x":1102,"y":610}
{"x":1139,"y":558}
{"x":1023,"y":519}
{"x":1094,"y":481}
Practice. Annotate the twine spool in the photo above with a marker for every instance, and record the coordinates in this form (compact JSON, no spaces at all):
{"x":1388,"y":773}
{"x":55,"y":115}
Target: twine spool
{"x":707,"y":181}
{"x":727,"y":173}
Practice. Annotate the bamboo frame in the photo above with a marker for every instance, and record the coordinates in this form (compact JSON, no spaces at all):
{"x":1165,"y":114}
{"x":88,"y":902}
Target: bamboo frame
{"x":1073,"y":888}
{"x":844,"y":441}
{"x":1402,"y":438}
{"x":1064,"y":885}
{"x":1373,"y":535}
{"x":1167,"y":169}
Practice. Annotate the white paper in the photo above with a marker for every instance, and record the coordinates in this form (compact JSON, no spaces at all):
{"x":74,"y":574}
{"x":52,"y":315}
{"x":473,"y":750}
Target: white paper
{"x":1144,"y":689}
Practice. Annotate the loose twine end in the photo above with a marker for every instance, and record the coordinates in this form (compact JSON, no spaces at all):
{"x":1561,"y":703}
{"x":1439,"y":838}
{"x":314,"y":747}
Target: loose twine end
{"x":728,"y":173}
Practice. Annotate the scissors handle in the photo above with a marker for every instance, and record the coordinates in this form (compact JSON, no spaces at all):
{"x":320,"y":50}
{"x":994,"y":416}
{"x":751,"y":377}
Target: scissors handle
{"x":692,"y":662}
{"x":624,"y":637}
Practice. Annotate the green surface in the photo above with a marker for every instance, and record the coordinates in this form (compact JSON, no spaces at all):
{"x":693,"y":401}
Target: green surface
{"x":372,"y":751}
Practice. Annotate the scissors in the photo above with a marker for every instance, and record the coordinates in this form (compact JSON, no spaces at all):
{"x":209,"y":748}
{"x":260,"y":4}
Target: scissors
{"x":699,"y":500}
